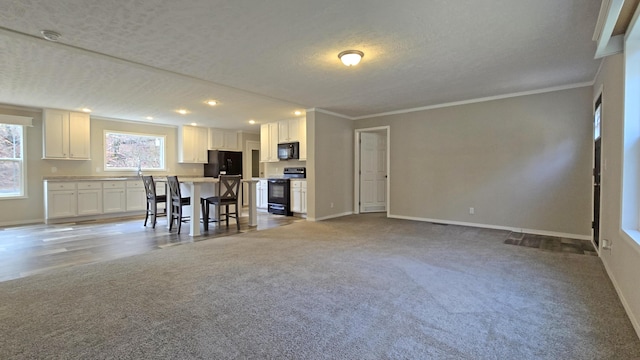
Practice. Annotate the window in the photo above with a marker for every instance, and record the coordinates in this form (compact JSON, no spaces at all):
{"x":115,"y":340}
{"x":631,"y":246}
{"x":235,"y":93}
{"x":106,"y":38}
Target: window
{"x":130,"y":151}
{"x":597,"y":126}
{"x":631,"y":134}
{"x":11,"y":160}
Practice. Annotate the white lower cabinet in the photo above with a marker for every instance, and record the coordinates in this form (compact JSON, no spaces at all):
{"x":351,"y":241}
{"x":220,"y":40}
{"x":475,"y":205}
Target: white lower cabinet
{"x":136,"y":196}
{"x":93,"y":198}
{"x":89,"y":198}
{"x":114,"y":199}
{"x":262,"y":196}
{"x":60,"y":200}
{"x":303,"y":197}
{"x":299,"y":196}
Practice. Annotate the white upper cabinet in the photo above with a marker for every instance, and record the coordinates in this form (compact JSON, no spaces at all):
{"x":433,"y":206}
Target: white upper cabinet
{"x":269,"y":142}
{"x":192,"y":144}
{"x":283,"y":131}
{"x":66,"y":135}
{"x":303,"y":139}
{"x":223,"y":140}
{"x":290,"y":130}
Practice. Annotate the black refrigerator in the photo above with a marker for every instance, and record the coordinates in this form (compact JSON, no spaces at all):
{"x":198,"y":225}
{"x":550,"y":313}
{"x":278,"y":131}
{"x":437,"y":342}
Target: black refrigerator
{"x":225,"y":162}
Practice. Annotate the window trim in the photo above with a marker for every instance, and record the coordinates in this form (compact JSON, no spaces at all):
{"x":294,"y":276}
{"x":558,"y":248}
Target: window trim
{"x":104,"y":150}
{"x":630,"y":204}
{"x":23,"y":151}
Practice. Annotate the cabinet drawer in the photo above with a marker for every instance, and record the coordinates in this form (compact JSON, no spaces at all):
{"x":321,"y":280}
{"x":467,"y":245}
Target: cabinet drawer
{"x":61,"y":186}
{"x":89,"y":185}
{"x":113,"y":184}
{"x":135,"y":185}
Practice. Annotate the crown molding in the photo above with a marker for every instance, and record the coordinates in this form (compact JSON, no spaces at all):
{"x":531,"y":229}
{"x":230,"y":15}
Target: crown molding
{"x":332,"y":113}
{"x":477,"y":100}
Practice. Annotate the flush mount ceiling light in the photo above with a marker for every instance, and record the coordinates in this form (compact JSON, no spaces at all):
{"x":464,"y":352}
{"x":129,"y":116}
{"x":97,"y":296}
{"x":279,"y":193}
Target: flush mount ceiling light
{"x":149,"y":118}
{"x":87,"y":110}
{"x":50,"y":35}
{"x":297,"y":113}
{"x":182,"y":112}
{"x":252,"y":121}
{"x":212,"y":102}
{"x":351,"y":57}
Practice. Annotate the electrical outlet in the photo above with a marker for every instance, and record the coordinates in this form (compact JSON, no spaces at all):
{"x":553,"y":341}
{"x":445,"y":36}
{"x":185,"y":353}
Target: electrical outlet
{"x":607,"y":244}
{"x":98,"y":169}
{"x":332,"y":205}
{"x":472,"y":211}
{"x":54,"y":169}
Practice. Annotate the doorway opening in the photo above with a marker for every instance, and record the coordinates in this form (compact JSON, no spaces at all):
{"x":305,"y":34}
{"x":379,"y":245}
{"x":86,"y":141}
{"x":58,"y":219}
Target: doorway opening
{"x":252,"y":167}
{"x":597,"y":155}
{"x":372,"y":163}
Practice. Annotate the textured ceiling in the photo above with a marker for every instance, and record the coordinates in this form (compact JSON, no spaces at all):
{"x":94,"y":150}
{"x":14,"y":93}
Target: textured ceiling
{"x":265,"y":59}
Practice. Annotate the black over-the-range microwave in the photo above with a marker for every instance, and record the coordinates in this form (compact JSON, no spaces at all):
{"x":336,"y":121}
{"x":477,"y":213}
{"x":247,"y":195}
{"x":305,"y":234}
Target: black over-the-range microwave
{"x":288,"y":151}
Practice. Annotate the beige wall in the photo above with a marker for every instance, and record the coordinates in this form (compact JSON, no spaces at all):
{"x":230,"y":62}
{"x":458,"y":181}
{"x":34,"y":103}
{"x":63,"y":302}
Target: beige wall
{"x":622,"y":260}
{"x":329,"y":166}
{"x":521,"y":162}
{"x":31,"y":209}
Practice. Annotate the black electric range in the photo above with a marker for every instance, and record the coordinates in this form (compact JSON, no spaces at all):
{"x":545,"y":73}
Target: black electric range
{"x":279,"y":190}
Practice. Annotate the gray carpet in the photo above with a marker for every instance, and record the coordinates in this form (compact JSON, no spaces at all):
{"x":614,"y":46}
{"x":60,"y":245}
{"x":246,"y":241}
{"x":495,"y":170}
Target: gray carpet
{"x":358,"y":287}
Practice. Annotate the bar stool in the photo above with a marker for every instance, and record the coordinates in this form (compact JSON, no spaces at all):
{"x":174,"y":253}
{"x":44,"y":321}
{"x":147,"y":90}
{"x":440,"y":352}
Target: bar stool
{"x":152,"y":200}
{"x":177,"y":202}
{"x":228,"y":189}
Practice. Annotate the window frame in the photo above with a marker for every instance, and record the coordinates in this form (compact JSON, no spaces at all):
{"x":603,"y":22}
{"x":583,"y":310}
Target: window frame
{"x":23,"y":164}
{"x":630,"y":197}
{"x":120,"y":132}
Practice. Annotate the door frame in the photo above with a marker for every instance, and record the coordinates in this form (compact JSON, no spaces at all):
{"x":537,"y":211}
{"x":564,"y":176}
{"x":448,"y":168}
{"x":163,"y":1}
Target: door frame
{"x":356,"y":166}
{"x":598,"y":95}
{"x":246,"y":164}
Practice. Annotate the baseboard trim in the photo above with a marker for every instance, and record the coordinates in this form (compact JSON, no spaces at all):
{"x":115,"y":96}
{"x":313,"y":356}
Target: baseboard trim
{"x":332,"y":216}
{"x":97,"y":217}
{"x":495,"y":227}
{"x":634,"y":322}
{"x":22,"y":222}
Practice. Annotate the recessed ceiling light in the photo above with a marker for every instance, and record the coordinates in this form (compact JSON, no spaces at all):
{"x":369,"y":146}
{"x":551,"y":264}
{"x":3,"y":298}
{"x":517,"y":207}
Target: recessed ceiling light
{"x":149,"y":118}
{"x":351,"y":57}
{"x":87,"y":110}
{"x":297,"y":112}
{"x":182,"y":111}
{"x":50,"y":35}
{"x":252,"y":121}
{"x":212,"y":102}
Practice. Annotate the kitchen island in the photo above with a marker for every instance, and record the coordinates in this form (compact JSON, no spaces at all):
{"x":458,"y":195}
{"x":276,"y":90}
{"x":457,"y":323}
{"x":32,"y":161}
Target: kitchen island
{"x":194,"y":187}
{"x":76,"y":198}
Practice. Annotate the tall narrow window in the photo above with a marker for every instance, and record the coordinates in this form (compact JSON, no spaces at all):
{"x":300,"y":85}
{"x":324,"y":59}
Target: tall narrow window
{"x":11,"y":160}
{"x":597,"y":118}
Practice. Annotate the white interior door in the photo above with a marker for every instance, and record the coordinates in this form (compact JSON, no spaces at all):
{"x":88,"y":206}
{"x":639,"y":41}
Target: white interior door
{"x":373,"y":172}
